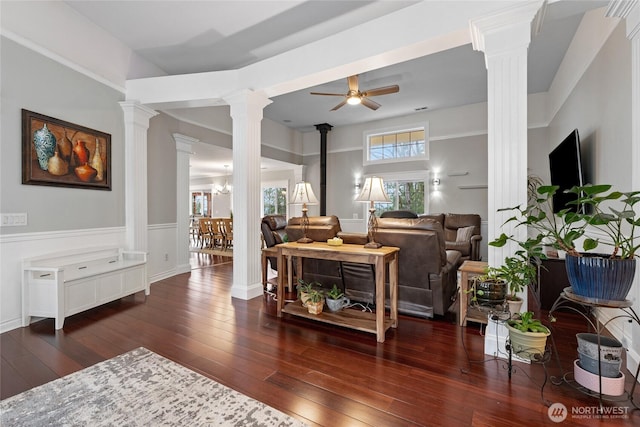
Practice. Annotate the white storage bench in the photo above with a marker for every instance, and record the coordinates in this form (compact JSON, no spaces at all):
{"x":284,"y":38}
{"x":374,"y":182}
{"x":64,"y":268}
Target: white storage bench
{"x":63,"y":284}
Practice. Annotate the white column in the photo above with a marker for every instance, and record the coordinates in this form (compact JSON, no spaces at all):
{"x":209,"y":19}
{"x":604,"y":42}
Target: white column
{"x":631,"y":12}
{"x":246,"y":112}
{"x":504,"y":38}
{"x":136,"y":124}
{"x":184,"y":149}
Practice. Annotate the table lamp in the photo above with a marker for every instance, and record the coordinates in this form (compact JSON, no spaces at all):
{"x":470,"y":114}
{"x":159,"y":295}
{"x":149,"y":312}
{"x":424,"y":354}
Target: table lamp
{"x":373,"y":191}
{"x":303,"y":195}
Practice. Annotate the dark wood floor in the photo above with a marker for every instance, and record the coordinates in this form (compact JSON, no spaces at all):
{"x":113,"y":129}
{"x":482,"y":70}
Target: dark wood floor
{"x":428,"y":372}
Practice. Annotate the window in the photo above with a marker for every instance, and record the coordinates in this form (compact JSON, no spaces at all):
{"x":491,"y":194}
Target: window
{"x":404,"y":195}
{"x":200,"y":203}
{"x":274,"y":200}
{"x":396,"y":145}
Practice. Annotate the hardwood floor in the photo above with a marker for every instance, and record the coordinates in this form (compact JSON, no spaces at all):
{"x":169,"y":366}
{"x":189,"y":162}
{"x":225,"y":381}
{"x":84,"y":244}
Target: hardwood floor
{"x":428,"y":372}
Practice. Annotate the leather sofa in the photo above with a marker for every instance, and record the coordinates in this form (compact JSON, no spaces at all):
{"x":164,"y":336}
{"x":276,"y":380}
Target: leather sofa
{"x":469,"y":245}
{"x":427,"y":272}
{"x":273,"y":232}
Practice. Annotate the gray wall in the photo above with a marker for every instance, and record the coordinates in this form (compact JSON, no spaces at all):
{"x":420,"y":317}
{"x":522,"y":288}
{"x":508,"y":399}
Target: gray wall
{"x":600,"y":108}
{"x":35,"y":83}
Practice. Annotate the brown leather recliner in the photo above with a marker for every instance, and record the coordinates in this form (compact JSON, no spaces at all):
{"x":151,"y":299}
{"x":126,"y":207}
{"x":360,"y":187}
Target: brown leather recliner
{"x":470,"y":249}
{"x":273,"y":232}
{"x":427,"y":271}
{"x":357,"y":280}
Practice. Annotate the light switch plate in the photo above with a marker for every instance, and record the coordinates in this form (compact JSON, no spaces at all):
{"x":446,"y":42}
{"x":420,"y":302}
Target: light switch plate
{"x":13,"y":220}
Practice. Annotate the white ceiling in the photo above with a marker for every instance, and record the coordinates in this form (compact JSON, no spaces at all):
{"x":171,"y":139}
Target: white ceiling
{"x":196,"y":36}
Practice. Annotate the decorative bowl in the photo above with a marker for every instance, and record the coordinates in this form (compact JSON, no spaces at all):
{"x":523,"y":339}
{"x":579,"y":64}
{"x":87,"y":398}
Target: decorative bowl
{"x":336,"y":241}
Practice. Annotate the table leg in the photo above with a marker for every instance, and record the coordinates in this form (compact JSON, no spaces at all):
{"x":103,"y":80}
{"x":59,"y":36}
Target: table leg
{"x":464,"y":283}
{"x":393,"y":290}
{"x":281,"y":277}
{"x":380,"y":273}
{"x":264,"y":268}
{"x":290,"y":272}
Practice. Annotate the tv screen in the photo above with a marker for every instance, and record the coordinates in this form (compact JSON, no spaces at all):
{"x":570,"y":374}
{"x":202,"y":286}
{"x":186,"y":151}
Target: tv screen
{"x":565,"y":163}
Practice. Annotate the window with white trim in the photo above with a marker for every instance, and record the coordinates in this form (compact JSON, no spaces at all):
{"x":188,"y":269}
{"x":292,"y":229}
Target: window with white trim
{"x":393,"y":145}
{"x":407,"y":191}
{"x":274,"y":199}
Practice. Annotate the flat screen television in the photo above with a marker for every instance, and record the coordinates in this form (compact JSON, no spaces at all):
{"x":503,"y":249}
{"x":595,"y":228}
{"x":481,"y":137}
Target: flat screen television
{"x":565,"y":163}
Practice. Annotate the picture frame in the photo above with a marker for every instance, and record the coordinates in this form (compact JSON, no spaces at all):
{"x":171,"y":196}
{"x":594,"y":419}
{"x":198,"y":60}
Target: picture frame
{"x":62,"y":154}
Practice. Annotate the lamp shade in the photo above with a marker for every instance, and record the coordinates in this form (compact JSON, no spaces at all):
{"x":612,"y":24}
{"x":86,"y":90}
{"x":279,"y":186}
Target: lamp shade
{"x":373,"y":191}
{"x":303,"y":194}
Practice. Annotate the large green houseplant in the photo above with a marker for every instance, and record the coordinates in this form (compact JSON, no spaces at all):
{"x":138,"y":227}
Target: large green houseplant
{"x":601,"y":216}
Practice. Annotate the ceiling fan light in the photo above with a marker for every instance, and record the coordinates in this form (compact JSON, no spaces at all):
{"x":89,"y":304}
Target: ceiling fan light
{"x":354,"y":100}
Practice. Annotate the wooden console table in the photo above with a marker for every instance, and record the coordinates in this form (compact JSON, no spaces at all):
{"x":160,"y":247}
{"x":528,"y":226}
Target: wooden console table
{"x":374,"y":323}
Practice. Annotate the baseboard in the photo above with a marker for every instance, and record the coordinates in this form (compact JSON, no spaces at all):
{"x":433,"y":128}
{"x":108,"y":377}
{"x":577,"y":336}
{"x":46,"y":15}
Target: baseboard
{"x":163,"y":275}
{"x":10,"y":325}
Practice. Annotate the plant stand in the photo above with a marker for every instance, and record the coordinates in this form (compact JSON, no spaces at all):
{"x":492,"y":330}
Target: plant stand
{"x":572,"y":302}
{"x":533,"y":357}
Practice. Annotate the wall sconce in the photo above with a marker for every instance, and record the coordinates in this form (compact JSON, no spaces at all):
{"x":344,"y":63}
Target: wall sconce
{"x":436,"y":182}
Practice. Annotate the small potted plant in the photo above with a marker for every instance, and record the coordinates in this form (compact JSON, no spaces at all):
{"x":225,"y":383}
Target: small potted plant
{"x":304,"y":289}
{"x":528,"y":336}
{"x":487,"y":290}
{"x":315,"y":301}
{"x":519,"y":270}
{"x":336,"y":299}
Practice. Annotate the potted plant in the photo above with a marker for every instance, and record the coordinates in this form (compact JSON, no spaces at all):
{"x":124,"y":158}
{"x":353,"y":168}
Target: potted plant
{"x":519,"y":270}
{"x":528,"y":336}
{"x":601,"y":212}
{"x":315,"y":301}
{"x":487,"y":290}
{"x":304,"y":289}
{"x":336,"y":299}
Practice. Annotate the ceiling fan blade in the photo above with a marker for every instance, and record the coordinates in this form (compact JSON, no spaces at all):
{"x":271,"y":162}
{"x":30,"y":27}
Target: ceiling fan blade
{"x":382,"y":91}
{"x":353,"y":82}
{"x":326,"y":94}
{"x":339,"y":105}
{"x":369,"y":103}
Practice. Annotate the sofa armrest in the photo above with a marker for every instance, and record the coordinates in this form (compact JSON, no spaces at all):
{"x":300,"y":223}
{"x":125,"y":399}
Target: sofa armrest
{"x":453,"y":259}
{"x":463,"y":247}
{"x":475,"y":247}
{"x":353,"y":238}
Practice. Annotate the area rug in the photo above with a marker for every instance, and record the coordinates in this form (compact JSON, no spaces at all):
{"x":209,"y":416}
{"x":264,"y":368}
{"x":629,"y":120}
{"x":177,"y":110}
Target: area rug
{"x":138,"y":388}
{"x":219,"y":252}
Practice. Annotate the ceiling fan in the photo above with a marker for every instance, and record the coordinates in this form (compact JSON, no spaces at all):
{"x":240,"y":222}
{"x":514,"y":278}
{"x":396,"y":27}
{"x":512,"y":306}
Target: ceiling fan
{"x":354,"y":96}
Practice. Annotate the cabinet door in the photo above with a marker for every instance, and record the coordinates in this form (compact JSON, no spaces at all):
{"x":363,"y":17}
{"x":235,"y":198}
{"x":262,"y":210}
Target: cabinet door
{"x":134,"y":280}
{"x":80,"y":295}
{"x":109,"y":287}
{"x":553,"y":279}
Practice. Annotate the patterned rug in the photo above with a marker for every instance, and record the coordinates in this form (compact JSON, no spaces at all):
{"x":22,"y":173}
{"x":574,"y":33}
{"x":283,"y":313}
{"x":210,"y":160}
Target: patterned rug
{"x":138,"y":388}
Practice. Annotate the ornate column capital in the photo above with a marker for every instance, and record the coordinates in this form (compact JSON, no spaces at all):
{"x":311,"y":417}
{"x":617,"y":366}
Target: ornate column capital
{"x":508,"y":29}
{"x":184,"y":143}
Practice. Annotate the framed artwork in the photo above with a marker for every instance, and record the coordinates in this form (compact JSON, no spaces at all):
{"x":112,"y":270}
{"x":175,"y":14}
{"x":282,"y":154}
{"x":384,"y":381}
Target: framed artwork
{"x":62,"y":154}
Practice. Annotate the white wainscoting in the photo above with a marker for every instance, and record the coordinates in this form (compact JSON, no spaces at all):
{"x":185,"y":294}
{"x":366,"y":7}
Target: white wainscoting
{"x":161,"y":259}
{"x":15,"y":247}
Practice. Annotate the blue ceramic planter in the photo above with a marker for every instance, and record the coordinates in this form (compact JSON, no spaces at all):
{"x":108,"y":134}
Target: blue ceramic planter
{"x":598,"y":277}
